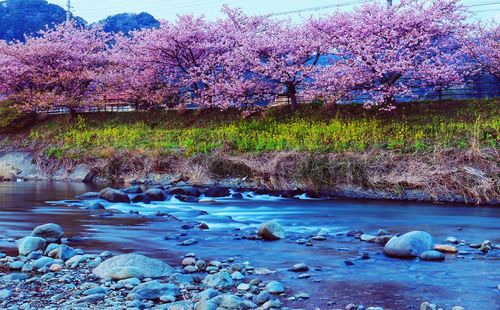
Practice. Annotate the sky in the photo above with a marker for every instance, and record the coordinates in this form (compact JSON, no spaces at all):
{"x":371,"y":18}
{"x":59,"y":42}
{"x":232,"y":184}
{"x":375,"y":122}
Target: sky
{"x":95,"y":10}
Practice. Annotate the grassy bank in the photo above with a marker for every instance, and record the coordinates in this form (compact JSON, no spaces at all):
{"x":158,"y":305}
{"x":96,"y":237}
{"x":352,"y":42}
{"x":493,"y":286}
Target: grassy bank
{"x":442,"y":149}
{"x":412,"y":127}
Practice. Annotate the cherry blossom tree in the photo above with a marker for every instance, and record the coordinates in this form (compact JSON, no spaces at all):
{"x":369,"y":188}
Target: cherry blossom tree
{"x":395,"y":49}
{"x":58,"y":68}
{"x":483,"y":48}
{"x":283,"y":57}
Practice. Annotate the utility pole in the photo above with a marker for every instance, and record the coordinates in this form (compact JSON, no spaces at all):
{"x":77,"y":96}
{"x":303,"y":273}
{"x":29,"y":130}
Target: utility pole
{"x":68,"y":11}
{"x":389,"y":3}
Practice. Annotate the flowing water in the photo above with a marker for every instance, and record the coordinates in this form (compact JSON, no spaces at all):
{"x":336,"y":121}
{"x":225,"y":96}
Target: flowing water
{"x":469,"y":280}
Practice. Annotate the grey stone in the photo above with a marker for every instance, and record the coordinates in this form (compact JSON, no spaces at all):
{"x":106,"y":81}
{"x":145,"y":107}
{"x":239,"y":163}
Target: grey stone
{"x":228,"y":301}
{"x":155,"y":194}
{"x":65,"y":252}
{"x":22,"y":163}
{"x":113,"y":195}
{"x":14,"y":277}
{"x":432,"y":256}
{"x":16,"y":265}
{"x":219,"y":280}
{"x":96,"y":205}
{"x":4,"y":294}
{"x":81,"y":173}
{"x":299,"y":268}
{"x":126,"y":272}
{"x":30,"y":244}
{"x":275,"y":287}
{"x":95,"y":290}
{"x":411,"y":244}
{"x":50,"y":232}
{"x":150,"y":267}
{"x":43,"y":262}
{"x":91,"y":299}
{"x":271,"y":231}
{"x":153,"y":290}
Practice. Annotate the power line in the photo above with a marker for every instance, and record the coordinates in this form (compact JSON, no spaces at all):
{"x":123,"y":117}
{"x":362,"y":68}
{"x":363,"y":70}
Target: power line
{"x":318,"y":8}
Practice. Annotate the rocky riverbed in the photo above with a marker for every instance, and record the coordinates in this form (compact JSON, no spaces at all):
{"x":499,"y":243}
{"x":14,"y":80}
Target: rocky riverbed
{"x":48,"y":271}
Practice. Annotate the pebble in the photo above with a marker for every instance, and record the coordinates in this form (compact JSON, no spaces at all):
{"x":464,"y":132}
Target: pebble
{"x":188,"y":242}
{"x":243,"y":287}
{"x":445,"y":248}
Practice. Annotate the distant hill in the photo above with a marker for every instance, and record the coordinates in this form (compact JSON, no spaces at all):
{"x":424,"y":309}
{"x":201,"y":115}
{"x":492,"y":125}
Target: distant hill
{"x":20,"y":17}
{"x":127,"y":22}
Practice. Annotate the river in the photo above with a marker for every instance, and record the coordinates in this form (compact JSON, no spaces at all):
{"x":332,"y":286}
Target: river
{"x":467,"y":280}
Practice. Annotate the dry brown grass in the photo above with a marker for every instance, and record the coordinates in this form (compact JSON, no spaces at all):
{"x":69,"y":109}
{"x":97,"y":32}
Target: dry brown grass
{"x":444,"y":175}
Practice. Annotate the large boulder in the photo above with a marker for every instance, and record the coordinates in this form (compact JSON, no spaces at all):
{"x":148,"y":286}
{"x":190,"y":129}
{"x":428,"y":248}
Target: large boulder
{"x":217,"y":192}
{"x":50,"y":232}
{"x":30,"y":244}
{"x":114,"y":195}
{"x":150,"y":267}
{"x":155,"y":194}
{"x":153,"y":290}
{"x":411,"y":244}
{"x":271,"y":231}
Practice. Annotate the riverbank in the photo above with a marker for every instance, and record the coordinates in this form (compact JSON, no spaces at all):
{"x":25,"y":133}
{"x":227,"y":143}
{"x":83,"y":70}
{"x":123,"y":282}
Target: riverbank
{"x":440,"y":152}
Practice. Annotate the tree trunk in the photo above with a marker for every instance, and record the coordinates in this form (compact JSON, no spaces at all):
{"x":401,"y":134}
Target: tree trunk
{"x":292,"y":93}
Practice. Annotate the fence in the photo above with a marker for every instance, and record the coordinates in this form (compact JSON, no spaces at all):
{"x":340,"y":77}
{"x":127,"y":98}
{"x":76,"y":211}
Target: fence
{"x":480,"y":87}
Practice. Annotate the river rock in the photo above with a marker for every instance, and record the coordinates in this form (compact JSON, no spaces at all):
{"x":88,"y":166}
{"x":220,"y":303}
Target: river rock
{"x":16,"y":265}
{"x":89,"y":195}
{"x":141,"y":198}
{"x":432,"y":256}
{"x":262,"y":297}
{"x":126,"y":272}
{"x":485,"y":246}
{"x":185,"y":191}
{"x":217,"y":192}
{"x":96,"y":205}
{"x":444,"y":248}
{"x":368,"y":238}
{"x":153,"y":290}
{"x":272,"y":304}
{"x":65,"y":252}
{"x":81,"y":173}
{"x":150,"y":267}
{"x":43,"y":262}
{"x":228,"y":301}
{"x":218,"y":280}
{"x":411,"y":244}
{"x":451,"y":239}
{"x":299,"y":268}
{"x":50,"y":232}
{"x":113,"y":195}
{"x":155,"y":194}
{"x":133,"y":190}
{"x":30,"y":244}
{"x":14,"y":277}
{"x":4,"y":294}
{"x":271,"y":231}
{"x":275,"y":287}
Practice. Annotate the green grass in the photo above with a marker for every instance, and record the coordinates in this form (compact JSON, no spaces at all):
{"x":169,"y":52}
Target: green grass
{"x":314,"y":128}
